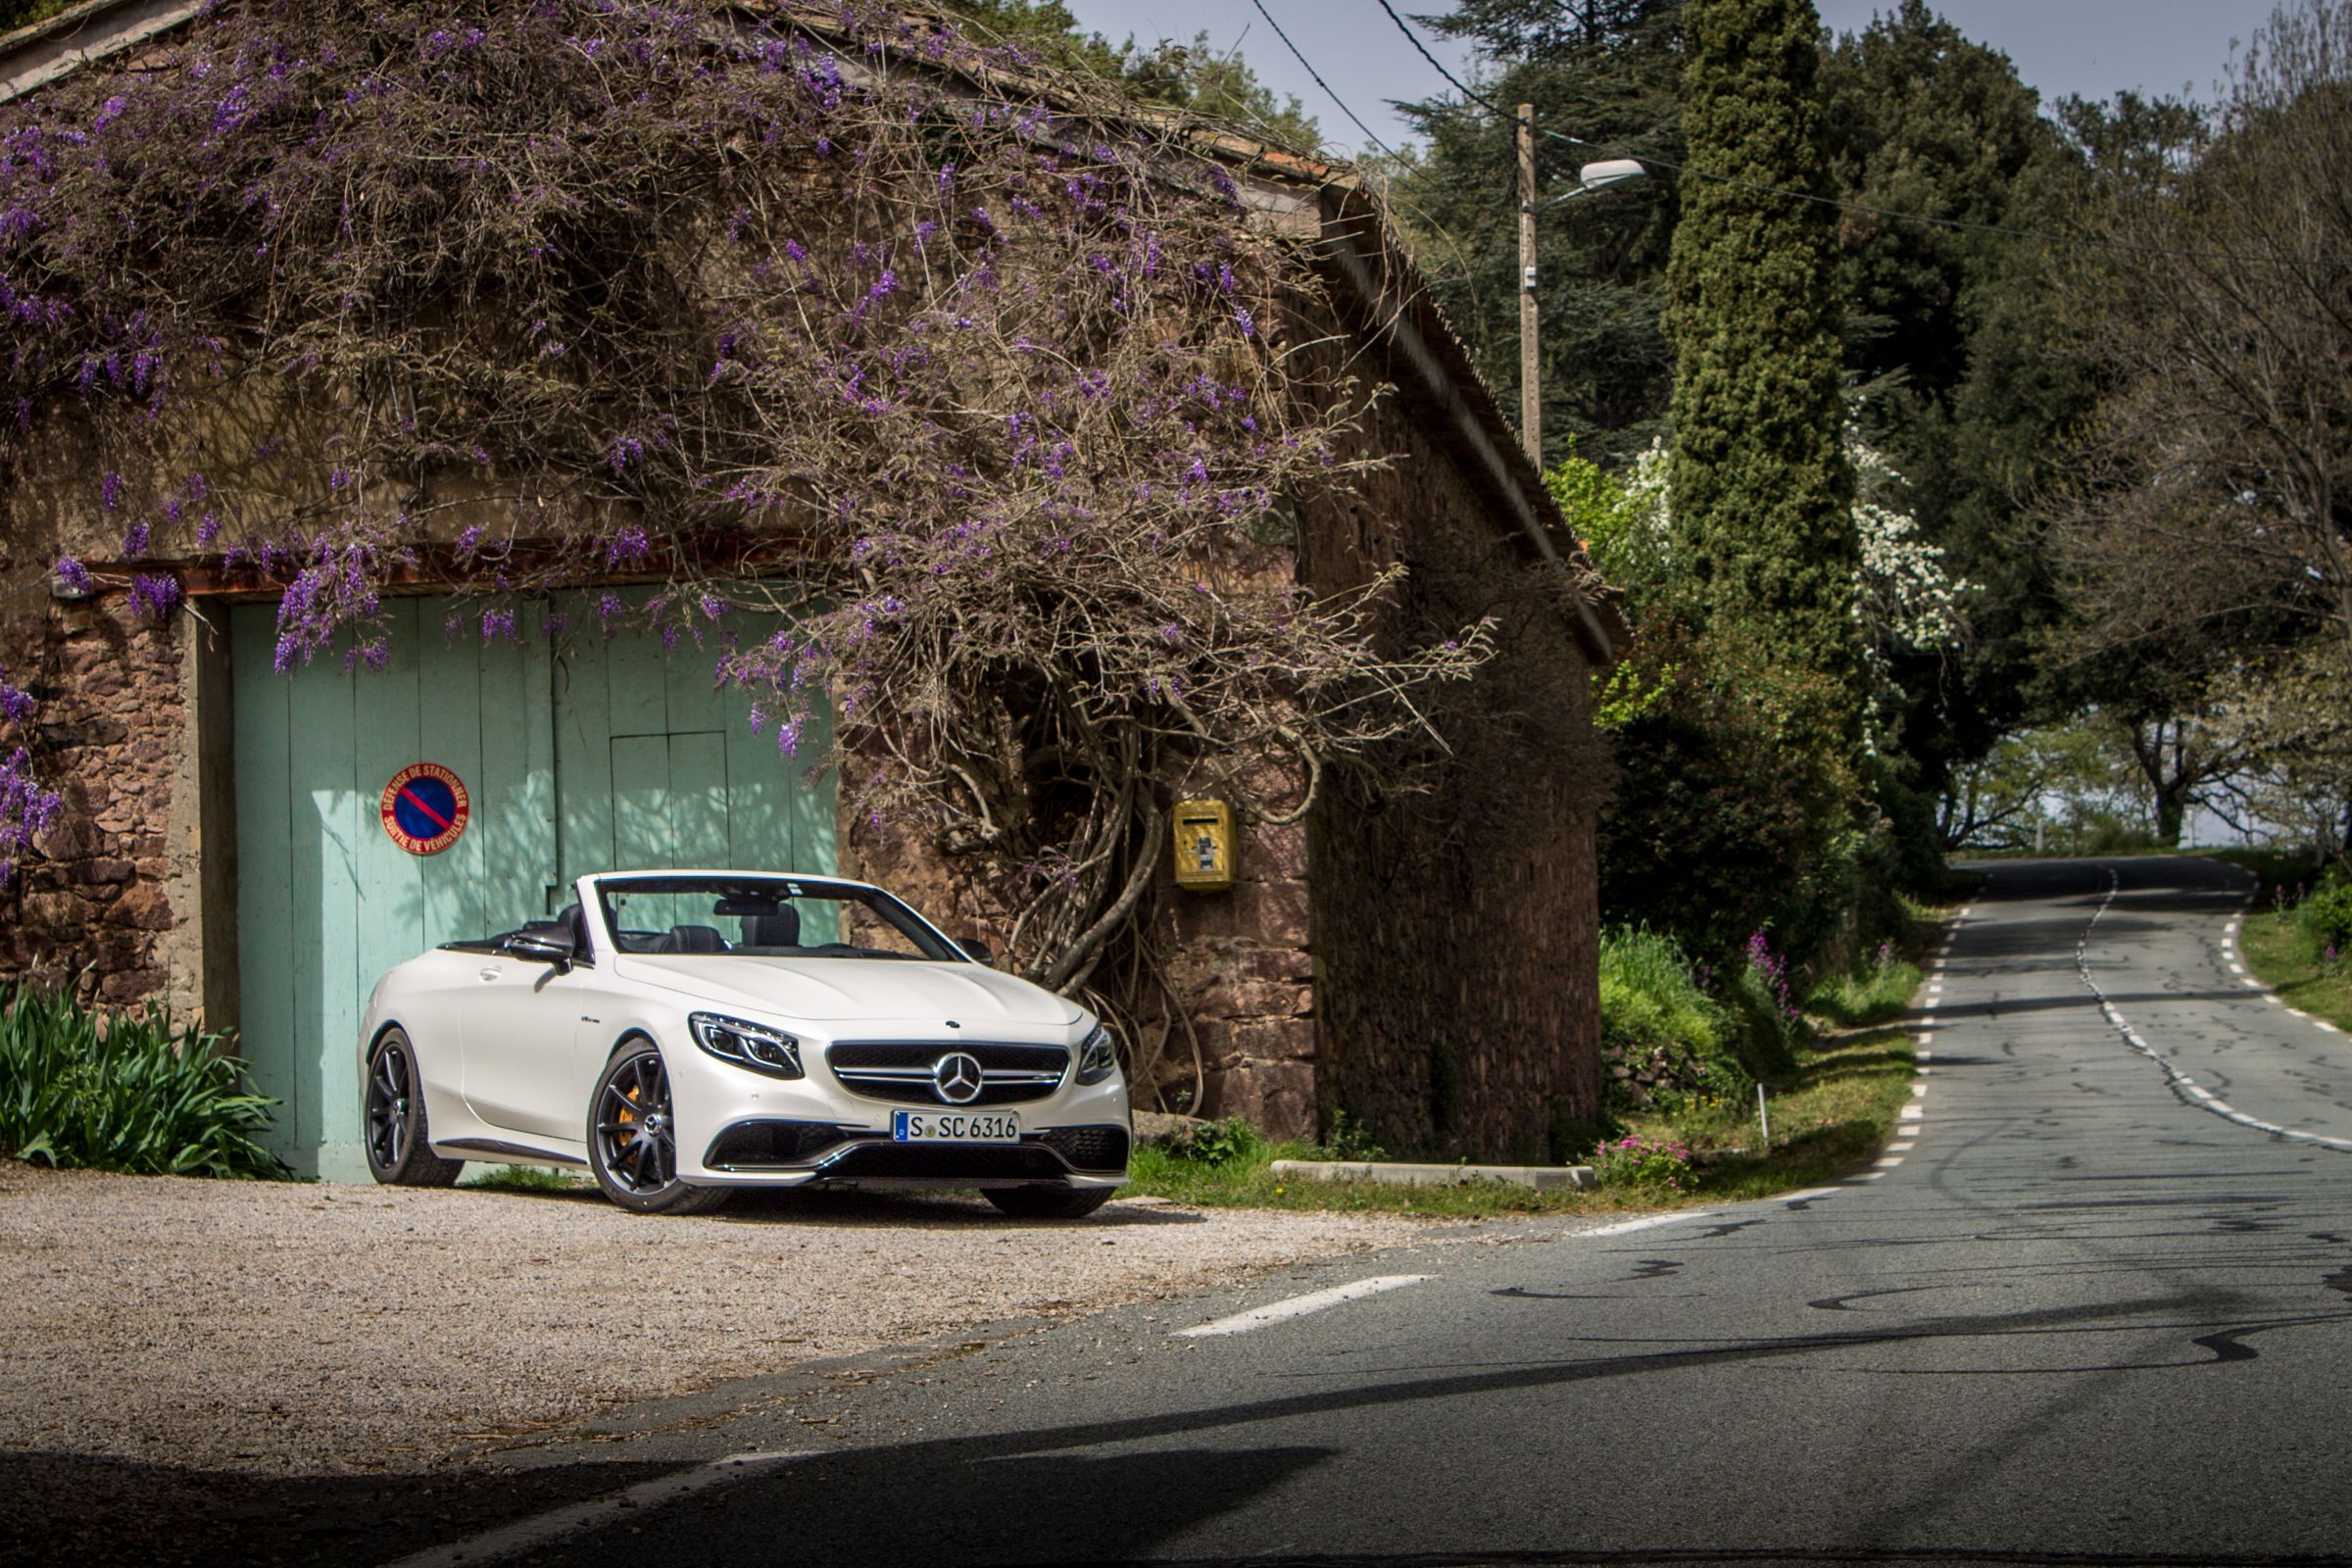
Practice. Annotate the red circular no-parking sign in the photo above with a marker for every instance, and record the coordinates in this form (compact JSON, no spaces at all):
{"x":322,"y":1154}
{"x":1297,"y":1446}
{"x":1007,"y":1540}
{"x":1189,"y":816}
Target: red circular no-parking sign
{"x":424,"y":808}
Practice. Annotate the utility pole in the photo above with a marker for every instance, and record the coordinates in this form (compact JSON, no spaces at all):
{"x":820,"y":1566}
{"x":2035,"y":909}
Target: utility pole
{"x":1531,"y":394}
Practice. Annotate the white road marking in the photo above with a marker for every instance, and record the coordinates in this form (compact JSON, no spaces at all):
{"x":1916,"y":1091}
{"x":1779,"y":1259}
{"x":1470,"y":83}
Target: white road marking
{"x":1808,"y":1195}
{"x":1890,"y":1162}
{"x":1258,"y":1317}
{"x":1918,"y":1089}
{"x":2237,"y":967}
{"x":538,"y":1531}
{"x":1903,"y":1148}
{"x":1868,"y":1176}
{"x":1625,"y":1226}
{"x":1909,"y":1114}
{"x":2250,"y":983}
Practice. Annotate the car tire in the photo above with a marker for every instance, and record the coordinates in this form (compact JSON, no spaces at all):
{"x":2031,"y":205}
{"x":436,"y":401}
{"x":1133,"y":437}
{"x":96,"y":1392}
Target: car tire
{"x":400,"y":1148}
{"x":632,"y":1147}
{"x":1048,"y":1202}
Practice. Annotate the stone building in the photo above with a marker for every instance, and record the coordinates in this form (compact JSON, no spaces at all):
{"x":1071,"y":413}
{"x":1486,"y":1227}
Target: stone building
{"x":1424,"y":963}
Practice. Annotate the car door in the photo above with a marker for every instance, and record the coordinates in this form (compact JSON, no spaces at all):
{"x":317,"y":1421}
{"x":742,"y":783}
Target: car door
{"x":520,"y":1017}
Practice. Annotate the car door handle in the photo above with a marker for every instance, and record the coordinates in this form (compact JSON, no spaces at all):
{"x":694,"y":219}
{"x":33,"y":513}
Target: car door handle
{"x":490,"y":972}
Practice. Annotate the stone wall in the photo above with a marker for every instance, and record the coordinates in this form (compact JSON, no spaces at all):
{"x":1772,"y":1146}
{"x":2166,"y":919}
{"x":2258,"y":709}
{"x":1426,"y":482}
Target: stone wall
{"x":96,"y":910}
{"x":1456,"y":928}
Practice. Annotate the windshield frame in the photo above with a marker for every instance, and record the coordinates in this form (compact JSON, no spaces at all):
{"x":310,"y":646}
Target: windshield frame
{"x":932,"y":945}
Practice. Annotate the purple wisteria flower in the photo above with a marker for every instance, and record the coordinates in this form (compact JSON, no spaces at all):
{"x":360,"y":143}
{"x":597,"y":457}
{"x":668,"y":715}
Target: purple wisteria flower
{"x":155,"y":594}
{"x":75,"y":576}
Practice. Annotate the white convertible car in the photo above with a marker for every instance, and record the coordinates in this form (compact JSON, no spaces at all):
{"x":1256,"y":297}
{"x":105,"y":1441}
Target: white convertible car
{"x":683,"y":1033}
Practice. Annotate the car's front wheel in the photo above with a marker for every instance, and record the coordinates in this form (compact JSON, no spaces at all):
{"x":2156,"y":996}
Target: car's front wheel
{"x":632,"y":1137}
{"x":1048,"y":1202}
{"x":400,"y":1150}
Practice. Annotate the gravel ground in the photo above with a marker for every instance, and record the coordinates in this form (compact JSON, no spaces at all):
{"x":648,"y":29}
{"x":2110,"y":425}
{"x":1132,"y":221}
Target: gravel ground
{"x":308,"y":1330}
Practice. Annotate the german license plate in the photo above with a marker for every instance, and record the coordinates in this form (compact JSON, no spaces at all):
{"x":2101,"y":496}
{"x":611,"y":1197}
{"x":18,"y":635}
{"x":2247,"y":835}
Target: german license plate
{"x":955,"y":1127}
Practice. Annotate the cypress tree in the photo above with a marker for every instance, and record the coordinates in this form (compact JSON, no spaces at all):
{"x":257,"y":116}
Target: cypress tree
{"x":1762,"y":490}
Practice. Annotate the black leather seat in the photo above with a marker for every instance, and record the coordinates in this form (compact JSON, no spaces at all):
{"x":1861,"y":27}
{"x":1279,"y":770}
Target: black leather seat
{"x":693,"y":939}
{"x":781,"y":929}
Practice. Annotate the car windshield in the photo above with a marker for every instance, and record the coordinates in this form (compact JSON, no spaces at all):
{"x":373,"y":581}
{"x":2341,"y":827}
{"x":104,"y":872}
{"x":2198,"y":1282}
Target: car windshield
{"x":764,"y":917}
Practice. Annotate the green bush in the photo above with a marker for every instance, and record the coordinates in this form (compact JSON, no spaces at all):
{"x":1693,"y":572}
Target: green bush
{"x":1220,"y":1143}
{"x":1653,"y":1008}
{"x":1650,"y":999}
{"x":2325,"y":919}
{"x":127,"y":1092}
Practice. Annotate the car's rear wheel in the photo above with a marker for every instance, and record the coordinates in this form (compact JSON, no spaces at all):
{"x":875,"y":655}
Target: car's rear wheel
{"x":1048,"y":1202}
{"x":632,"y":1137}
{"x":400,"y":1150}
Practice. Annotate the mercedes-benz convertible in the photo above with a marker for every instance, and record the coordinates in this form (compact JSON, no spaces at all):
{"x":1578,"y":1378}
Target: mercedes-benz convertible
{"x":685,"y":1033}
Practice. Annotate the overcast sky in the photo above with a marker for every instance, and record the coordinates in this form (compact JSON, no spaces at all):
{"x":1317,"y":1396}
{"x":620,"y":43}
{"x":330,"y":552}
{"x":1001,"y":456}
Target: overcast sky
{"x":2092,"y":47}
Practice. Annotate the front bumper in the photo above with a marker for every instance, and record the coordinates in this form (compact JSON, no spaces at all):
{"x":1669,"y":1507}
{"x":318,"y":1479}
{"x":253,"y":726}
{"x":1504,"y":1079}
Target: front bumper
{"x":736,"y":1128}
{"x":770,"y":1151}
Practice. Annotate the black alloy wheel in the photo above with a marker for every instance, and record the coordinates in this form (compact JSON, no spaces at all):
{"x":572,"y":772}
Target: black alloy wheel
{"x":400,"y":1150}
{"x":632,"y":1138}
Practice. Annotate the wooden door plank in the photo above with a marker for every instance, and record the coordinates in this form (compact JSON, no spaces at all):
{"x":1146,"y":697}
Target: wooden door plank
{"x":536,"y":808}
{"x":265,"y":926}
{"x":641,"y":836}
{"x":583,"y":704}
{"x":698,"y":799}
{"x":324,"y":837}
{"x":389,"y":914}
{"x":449,"y":733}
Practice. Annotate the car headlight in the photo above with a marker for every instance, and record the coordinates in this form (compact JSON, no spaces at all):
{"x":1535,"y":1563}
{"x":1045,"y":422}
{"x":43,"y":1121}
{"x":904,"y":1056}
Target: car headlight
{"x":1097,"y":1058}
{"x":748,"y":1045}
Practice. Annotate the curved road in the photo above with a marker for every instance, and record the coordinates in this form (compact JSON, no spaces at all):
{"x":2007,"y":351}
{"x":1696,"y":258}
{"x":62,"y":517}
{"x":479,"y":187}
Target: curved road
{"x":2078,"y":1316}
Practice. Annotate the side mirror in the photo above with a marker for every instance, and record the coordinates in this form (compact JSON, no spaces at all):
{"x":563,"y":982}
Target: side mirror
{"x":546,"y":944}
{"x":977,"y":949}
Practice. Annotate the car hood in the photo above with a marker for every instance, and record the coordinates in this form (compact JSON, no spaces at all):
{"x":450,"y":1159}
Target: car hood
{"x":830,"y":988}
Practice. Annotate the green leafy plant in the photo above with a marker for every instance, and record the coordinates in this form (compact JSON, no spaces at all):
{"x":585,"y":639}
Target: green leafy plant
{"x":1348,"y":1140}
{"x":1220,"y":1143}
{"x":1641,"y":1161}
{"x":124,"y":1092}
{"x":2325,"y":919}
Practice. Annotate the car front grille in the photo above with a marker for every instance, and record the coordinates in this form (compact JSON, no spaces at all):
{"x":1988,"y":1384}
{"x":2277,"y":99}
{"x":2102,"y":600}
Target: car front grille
{"x":771,"y":1145}
{"x":1092,"y":1150}
{"x":900,"y":1070}
{"x":880,"y":1160}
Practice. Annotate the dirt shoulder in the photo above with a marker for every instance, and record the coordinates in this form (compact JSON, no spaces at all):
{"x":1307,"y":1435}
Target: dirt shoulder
{"x":294,"y":1330}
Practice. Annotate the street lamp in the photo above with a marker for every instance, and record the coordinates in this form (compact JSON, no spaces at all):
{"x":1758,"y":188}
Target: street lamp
{"x":1590,"y":178}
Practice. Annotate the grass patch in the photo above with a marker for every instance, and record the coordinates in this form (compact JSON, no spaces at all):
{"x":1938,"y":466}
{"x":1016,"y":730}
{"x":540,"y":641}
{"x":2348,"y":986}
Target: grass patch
{"x":1833,"y":1112}
{"x":522,"y":1179}
{"x":1880,"y":993}
{"x":2277,"y":952}
{"x":1836,"y":1109}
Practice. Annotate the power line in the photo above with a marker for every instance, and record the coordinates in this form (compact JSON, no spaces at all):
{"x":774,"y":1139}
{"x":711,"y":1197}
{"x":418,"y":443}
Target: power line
{"x":1962,"y":224}
{"x":1321,"y":83}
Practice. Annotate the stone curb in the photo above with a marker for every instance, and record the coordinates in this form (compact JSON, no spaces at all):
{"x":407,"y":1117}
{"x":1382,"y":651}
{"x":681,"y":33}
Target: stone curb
{"x":1392,"y":1174}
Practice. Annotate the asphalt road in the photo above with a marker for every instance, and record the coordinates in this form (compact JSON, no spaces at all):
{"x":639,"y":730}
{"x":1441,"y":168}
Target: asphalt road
{"x":2077,"y":1315}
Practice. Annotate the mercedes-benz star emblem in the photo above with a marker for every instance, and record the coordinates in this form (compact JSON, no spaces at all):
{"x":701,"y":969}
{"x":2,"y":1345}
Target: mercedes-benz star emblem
{"x":956,"y":1077}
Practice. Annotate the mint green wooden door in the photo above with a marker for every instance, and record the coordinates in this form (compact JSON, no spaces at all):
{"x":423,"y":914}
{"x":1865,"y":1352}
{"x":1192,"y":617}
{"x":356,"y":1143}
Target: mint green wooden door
{"x":579,"y":756}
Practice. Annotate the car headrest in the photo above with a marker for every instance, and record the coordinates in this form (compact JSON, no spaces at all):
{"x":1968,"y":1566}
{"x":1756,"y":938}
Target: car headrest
{"x":693,"y":939}
{"x":781,"y":929}
{"x":573,"y":920}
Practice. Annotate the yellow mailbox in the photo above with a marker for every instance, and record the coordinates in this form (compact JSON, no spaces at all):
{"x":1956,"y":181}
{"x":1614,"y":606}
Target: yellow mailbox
{"x":1204,"y":846}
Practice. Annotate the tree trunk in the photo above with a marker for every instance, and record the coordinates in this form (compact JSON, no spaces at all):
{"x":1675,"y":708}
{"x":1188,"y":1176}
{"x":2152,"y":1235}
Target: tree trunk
{"x":2172,"y":810}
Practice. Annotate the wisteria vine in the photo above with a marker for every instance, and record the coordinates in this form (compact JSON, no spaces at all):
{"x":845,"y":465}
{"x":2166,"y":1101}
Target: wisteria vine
{"x":990,"y":388}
